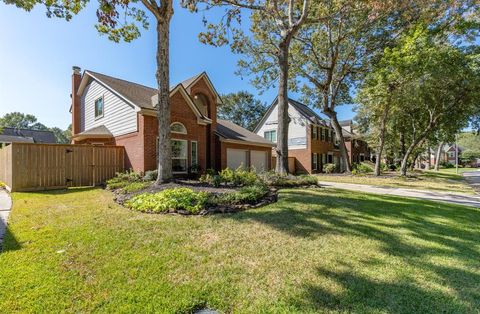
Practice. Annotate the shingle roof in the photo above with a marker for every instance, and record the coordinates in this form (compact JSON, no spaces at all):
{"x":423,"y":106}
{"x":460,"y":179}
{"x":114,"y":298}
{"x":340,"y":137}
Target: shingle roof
{"x":9,"y":135}
{"x":308,"y":113}
{"x":99,"y":130}
{"x":138,"y":94}
{"x":232,"y":131}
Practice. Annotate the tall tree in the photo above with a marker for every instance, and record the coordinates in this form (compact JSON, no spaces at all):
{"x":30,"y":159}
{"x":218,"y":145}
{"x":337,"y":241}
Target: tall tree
{"x":273,"y":25}
{"x":242,"y":108}
{"x":19,"y":120}
{"x":121,"y":20}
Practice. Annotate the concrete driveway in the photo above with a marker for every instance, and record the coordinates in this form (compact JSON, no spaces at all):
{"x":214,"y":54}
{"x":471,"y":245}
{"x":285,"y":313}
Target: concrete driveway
{"x":453,"y":198}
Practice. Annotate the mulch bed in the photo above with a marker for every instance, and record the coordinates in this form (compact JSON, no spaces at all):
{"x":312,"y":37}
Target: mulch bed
{"x":271,"y":197}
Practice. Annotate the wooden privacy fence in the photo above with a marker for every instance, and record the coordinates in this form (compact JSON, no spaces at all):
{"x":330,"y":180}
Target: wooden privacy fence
{"x":31,"y":167}
{"x":291,"y":164}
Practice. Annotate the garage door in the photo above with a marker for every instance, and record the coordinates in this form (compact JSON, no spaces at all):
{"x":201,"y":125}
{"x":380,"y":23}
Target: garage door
{"x":258,"y":160}
{"x":236,"y":158}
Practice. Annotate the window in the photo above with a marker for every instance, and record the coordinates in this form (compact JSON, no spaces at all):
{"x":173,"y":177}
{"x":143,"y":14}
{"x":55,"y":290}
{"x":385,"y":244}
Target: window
{"x":194,"y":157}
{"x":314,"y":132}
{"x":271,"y":136}
{"x":326,"y":134}
{"x":322,"y":136}
{"x":99,"y":107}
{"x":200,"y":100}
{"x":315,"y":161}
{"x":179,"y":155}
{"x":324,"y":158}
{"x":330,"y":159}
{"x":177,"y":127}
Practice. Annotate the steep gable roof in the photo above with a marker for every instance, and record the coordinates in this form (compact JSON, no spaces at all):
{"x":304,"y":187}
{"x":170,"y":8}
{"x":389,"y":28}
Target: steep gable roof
{"x":139,"y":95}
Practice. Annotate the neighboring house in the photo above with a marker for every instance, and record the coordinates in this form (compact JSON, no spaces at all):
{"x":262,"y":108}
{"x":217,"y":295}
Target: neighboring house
{"x":358,"y":150}
{"x":447,"y":155}
{"x":311,"y":138}
{"x":14,"y":135}
{"x":107,"y":110}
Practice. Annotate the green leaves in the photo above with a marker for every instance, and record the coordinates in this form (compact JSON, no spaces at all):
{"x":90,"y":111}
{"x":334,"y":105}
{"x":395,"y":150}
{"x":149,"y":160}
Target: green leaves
{"x":241,"y":108}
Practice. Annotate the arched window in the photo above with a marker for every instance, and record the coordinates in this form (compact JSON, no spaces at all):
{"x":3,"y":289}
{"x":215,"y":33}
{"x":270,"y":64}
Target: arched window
{"x":177,"y":127}
{"x":201,"y":102}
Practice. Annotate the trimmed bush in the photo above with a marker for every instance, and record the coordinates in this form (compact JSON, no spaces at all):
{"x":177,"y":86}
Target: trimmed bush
{"x":274,"y":179}
{"x":211,"y":179}
{"x":329,"y":168}
{"x":170,"y":199}
{"x":247,"y":194}
{"x":2,"y":185}
{"x":361,"y":168}
{"x":238,"y":177}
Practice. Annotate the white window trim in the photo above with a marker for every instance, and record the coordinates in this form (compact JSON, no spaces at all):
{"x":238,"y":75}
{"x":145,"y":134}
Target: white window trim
{"x":196,"y":153}
{"x":176,"y":132}
{"x":186,"y":158}
{"x":314,"y":132}
{"x":270,"y":131}
{"x":315,"y":161}
{"x":95,"y":107}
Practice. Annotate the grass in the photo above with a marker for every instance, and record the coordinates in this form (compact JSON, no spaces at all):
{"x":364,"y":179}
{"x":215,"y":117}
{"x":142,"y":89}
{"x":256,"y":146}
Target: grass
{"x":441,"y":181}
{"x":313,"y":251}
{"x":460,"y":170}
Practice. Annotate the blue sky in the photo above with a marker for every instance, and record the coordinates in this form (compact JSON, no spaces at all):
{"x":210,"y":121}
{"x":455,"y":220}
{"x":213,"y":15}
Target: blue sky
{"x":37,"y":55}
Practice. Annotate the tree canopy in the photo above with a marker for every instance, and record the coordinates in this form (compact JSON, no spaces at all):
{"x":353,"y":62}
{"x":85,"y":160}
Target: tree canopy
{"x":241,"y":108}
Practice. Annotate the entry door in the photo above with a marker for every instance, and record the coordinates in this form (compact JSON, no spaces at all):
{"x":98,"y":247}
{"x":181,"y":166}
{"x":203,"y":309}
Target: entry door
{"x":236,"y":158}
{"x":258,"y":160}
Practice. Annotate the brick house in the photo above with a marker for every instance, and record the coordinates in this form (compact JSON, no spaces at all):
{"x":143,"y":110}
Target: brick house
{"x":311,"y":138}
{"x":108,"y":110}
{"x":358,"y":150}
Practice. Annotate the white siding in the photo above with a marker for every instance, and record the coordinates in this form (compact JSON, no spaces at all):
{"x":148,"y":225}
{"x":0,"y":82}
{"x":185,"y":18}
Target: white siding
{"x":118,"y":116}
{"x":297,"y":128}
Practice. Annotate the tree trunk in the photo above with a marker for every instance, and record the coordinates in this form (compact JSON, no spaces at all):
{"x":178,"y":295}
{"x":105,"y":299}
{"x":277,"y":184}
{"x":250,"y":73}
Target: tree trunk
{"x":339,"y":134}
{"x":414,"y":162}
{"x":381,"y":139}
{"x":437,"y":155}
{"x":283,"y":118}
{"x":420,"y":139}
{"x":163,"y":110}
{"x":429,"y":161}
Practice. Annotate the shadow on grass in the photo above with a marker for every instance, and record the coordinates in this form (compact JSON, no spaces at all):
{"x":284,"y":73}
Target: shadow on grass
{"x":438,"y":231}
{"x":60,"y":191}
{"x":8,"y":242}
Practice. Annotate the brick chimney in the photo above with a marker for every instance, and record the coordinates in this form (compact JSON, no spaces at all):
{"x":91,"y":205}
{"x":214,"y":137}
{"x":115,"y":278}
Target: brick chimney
{"x":76,"y":79}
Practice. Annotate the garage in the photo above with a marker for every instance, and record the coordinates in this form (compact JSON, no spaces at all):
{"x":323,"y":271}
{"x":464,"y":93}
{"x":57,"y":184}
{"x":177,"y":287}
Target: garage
{"x":237,"y":158}
{"x":258,"y":160}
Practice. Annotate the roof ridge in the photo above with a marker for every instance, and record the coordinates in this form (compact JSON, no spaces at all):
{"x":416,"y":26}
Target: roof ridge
{"x":120,"y":79}
{"x":23,"y":129}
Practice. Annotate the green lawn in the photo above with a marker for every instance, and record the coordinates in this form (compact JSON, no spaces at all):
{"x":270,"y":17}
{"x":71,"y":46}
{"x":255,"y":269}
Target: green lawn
{"x":441,"y":181}
{"x":313,"y":251}
{"x":460,"y":170}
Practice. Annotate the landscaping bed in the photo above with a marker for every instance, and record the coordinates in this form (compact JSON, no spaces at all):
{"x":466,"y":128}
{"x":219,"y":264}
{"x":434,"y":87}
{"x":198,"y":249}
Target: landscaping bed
{"x":228,"y":191}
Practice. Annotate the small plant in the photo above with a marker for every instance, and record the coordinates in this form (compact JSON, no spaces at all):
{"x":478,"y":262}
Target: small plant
{"x":211,"y":179}
{"x":150,"y":175}
{"x":2,"y":185}
{"x":329,"y":168}
{"x":122,"y":179}
{"x":170,"y":199}
{"x":135,"y":186}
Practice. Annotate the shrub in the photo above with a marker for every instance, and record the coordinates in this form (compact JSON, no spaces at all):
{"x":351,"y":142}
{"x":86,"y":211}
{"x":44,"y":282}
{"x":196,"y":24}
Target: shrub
{"x":122,"y":179}
{"x":274,"y":179}
{"x":170,"y":199}
{"x":211,"y":179}
{"x":238,"y":177}
{"x":150,"y":175}
{"x":135,"y":186}
{"x":2,"y":185}
{"x":361,"y":168}
{"x":329,"y":168}
{"x":247,"y":194}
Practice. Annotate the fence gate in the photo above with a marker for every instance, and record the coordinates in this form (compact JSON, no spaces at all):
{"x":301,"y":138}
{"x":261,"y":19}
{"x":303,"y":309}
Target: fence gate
{"x":51,"y":166}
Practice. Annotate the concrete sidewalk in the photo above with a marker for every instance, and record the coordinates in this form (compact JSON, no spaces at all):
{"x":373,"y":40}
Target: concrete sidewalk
{"x":5,"y":207}
{"x":454,"y":198}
